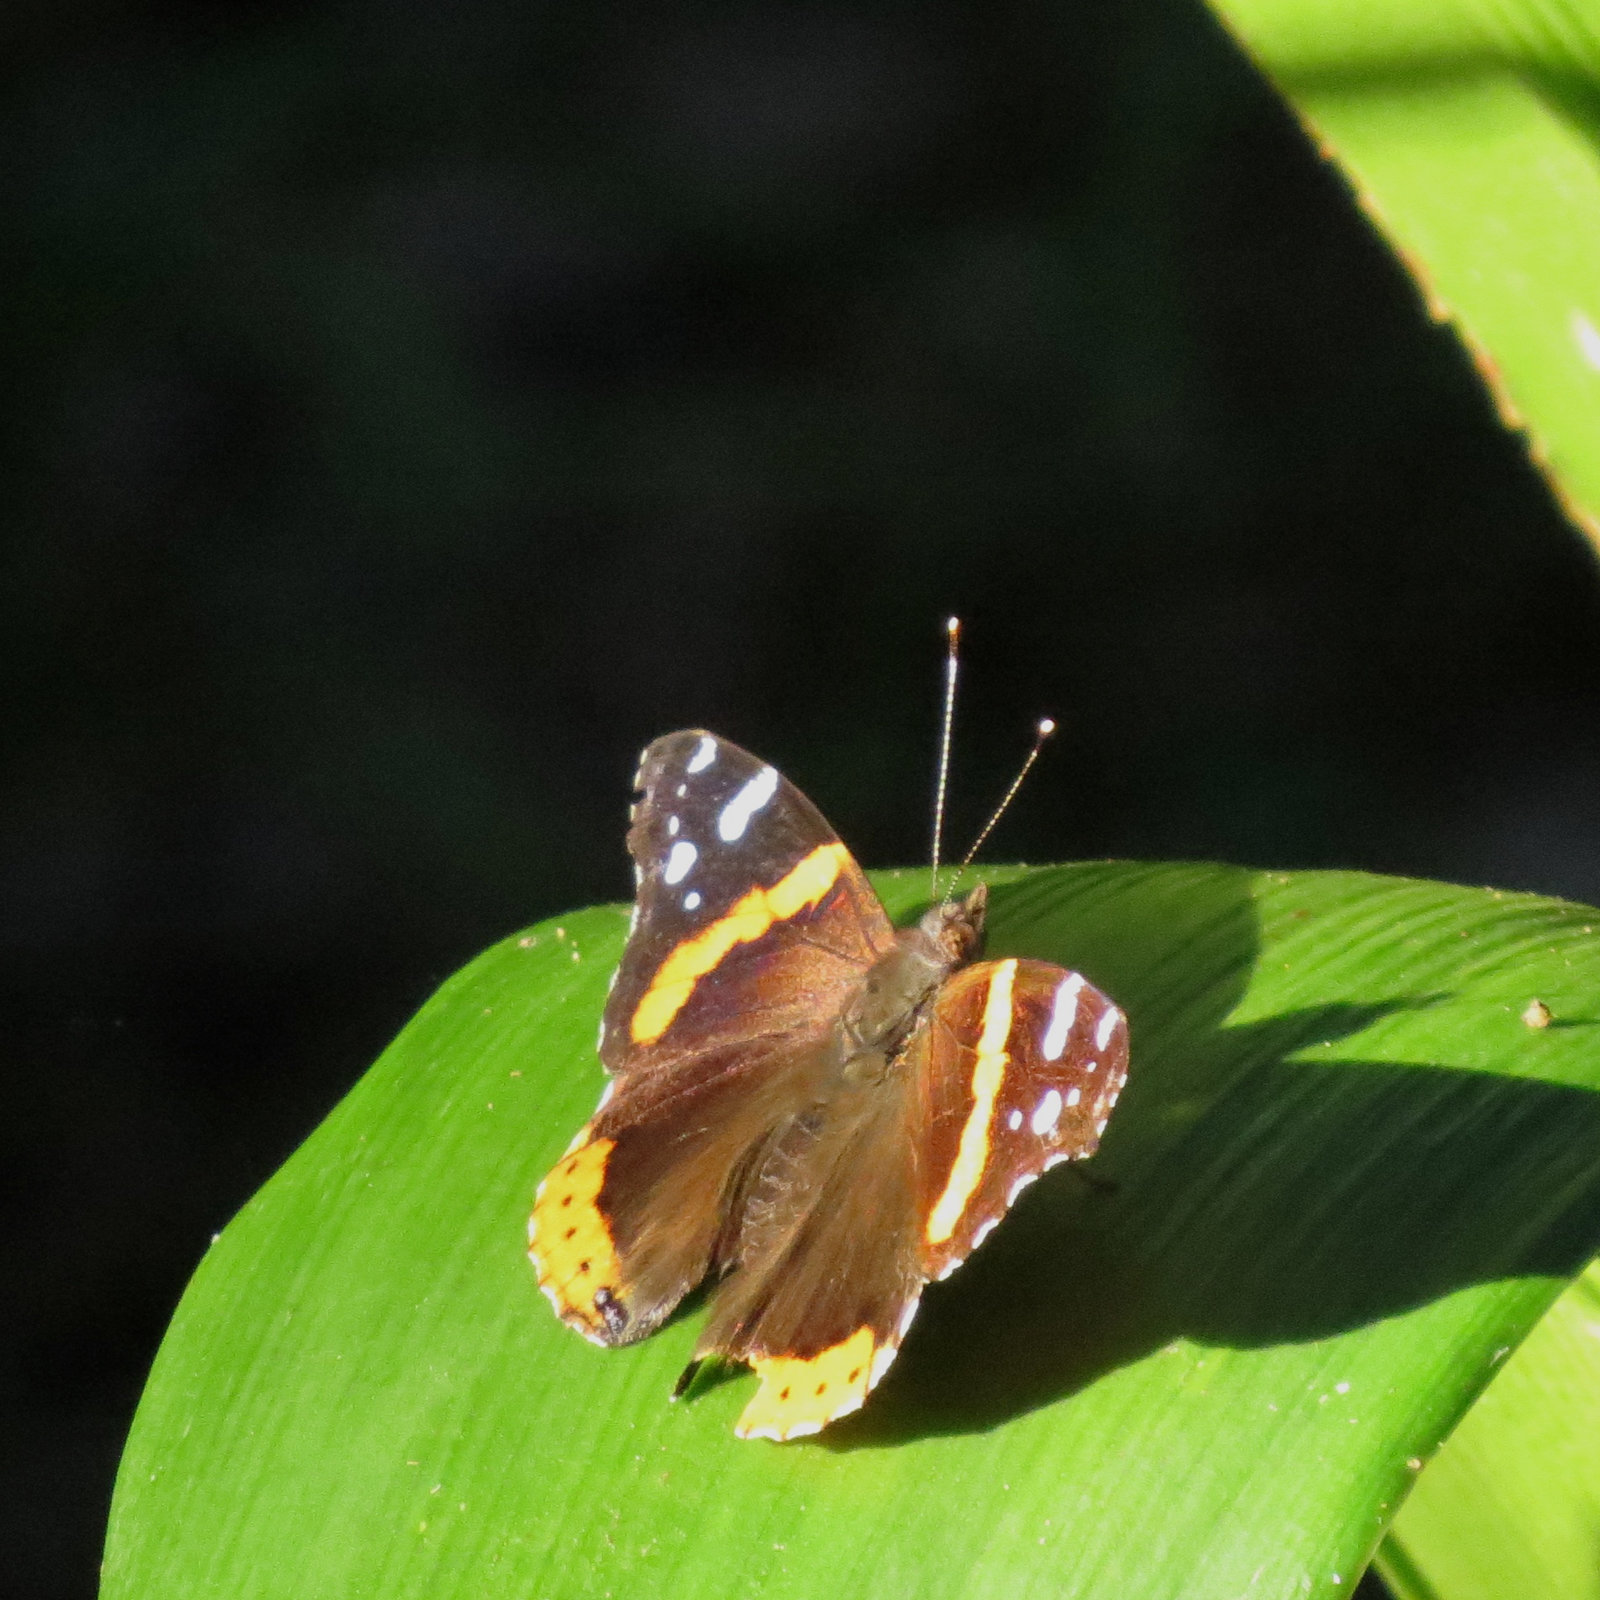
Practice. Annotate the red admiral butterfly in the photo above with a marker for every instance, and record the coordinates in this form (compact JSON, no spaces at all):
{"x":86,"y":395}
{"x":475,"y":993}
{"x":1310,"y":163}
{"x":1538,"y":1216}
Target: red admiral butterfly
{"x":822,"y":1112}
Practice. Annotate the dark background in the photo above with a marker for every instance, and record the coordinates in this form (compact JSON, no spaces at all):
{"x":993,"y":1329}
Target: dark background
{"x":411,"y":409}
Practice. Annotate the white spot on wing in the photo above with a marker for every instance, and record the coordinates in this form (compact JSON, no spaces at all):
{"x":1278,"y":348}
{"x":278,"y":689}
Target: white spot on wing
{"x":984,"y":1231}
{"x":704,"y":754}
{"x":672,"y":827}
{"x":1105,"y":1027}
{"x":1062,"y":1015}
{"x":1021,"y":1184}
{"x":1074,"y":1095}
{"x":735,"y":816}
{"x":1047,"y":1113}
{"x":680,"y":858}
{"x":691,"y":901}
{"x":1014,"y":1121}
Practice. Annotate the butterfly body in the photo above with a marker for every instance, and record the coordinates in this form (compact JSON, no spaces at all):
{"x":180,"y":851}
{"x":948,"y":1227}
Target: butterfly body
{"x":893,"y":998}
{"x":821,"y":1112}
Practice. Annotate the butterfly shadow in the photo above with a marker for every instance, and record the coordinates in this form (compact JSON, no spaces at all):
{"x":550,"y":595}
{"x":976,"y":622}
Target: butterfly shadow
{"x":1256,"y":1195}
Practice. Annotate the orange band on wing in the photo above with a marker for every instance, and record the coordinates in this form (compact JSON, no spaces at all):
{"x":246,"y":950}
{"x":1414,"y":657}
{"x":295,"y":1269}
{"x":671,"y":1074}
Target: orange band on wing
{"x":800,"y":1394}
{"x":750,"y":917}
{"x":987,"y":1075}
{"x":569,"y":1241}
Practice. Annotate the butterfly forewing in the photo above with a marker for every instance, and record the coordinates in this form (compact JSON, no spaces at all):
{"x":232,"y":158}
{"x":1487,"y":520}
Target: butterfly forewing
{"x":751,"y":916}
{"x":752,"y":925}
{"x":1019,"y":1068}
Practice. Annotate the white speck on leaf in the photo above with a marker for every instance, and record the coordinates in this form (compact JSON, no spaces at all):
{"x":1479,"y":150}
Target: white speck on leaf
{"x":1588,"y":337}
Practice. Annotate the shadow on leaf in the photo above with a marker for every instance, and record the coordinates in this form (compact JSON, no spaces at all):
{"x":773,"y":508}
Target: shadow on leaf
{"x":1257,"y":1198}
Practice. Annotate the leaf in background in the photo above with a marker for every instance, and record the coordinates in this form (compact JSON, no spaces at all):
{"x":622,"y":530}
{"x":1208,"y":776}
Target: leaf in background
{"x":1511,"y":1504}
{"x":1345,"y":1176}
{"x":1471,"y":131}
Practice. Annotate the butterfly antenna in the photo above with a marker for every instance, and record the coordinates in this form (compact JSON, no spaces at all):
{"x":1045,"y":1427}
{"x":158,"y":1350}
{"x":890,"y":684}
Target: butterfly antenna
{"x":1041,"y":733}
{"x":952,"y":630}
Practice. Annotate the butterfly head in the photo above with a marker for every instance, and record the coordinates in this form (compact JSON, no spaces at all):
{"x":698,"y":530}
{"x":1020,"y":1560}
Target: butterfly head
{"x":954,"y":928}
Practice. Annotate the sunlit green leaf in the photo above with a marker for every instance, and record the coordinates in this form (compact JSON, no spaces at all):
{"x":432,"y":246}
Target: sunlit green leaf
{"x":1345,"y":1176}
{"x":1511,"y":1504}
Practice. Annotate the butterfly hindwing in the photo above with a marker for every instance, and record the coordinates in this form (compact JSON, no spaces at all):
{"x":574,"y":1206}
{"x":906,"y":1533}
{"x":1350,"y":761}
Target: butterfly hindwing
{"x":828,"y":1276}
{"x":630,"y":1219}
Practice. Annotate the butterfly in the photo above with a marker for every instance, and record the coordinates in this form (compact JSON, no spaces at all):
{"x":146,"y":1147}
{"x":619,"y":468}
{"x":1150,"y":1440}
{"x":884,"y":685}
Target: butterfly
{"x":819,"y":1111}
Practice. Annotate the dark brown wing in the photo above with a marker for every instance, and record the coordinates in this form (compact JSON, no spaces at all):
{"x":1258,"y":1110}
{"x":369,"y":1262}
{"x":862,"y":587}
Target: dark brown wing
{"x":751,"y":920}
{"x":1018,"y":1070}
{"x":753,"y":924}
{"x":827,"y":1277}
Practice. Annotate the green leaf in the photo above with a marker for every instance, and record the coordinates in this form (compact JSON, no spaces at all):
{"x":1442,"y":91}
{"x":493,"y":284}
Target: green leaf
{"x":1346,"y":1175}
{"x":1511,"y":1504}
{"x":1471,"y":132}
